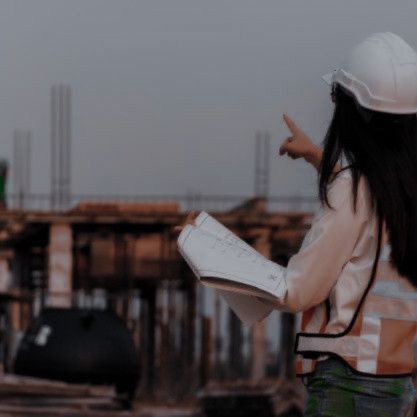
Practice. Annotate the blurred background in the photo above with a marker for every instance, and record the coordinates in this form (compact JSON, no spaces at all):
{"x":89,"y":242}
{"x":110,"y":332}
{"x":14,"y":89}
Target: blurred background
{"x":118,"y":117}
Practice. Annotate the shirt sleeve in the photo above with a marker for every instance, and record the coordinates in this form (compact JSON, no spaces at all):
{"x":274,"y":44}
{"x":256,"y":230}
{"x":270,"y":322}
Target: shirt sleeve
{"x":326,"y":248}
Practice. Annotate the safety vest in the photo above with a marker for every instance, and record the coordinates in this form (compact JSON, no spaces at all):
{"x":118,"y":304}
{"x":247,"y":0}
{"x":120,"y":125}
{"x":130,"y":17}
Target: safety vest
{"x":380,"y":336}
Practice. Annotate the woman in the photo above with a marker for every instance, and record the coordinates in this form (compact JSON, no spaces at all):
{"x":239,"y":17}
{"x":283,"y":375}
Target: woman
{"x":355,"y":275}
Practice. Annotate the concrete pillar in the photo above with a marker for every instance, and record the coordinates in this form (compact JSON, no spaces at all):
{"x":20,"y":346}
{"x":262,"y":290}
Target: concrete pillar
{"x":13,"y":330}
{"x":263,"y":245}
{"x":5,"y":275}
{"x":60,"y":265}
{"x":151,"y":322}
{"x":206,"y":362}
{"x":235,"y":351}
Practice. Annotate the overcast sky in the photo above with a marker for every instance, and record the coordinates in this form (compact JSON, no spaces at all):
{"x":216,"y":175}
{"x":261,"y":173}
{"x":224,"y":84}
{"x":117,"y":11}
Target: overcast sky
{"x":167,"y":95}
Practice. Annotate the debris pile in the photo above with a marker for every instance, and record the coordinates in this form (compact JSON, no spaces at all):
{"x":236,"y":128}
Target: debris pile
{"x":24,"y":396}
{"x":276,"y":399}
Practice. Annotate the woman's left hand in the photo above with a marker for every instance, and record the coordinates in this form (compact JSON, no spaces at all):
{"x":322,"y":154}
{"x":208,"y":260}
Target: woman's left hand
{"x":188,"y":220}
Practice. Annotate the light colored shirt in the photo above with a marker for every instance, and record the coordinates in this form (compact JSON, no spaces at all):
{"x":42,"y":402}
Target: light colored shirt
{"x":336,"y":256}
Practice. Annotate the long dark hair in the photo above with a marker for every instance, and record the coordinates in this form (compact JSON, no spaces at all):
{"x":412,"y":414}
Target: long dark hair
{"x":383,"y":148}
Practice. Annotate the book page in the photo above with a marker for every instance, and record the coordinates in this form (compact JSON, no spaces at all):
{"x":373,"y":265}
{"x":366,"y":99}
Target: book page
{"x":225,"y":262}
{"x":210,"y":225}
{"x":246,"y":306}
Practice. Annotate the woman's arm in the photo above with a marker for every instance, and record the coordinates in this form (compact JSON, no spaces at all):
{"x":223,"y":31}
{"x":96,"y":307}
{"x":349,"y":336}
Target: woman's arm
{"x":327,"y":247}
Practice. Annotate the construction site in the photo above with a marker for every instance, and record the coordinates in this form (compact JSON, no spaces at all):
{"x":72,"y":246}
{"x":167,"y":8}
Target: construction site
{"x":207,"y":209}
{"x":100,"y":315}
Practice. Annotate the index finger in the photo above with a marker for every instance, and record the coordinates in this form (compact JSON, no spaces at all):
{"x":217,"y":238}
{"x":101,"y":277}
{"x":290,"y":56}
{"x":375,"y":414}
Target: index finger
{"x":290,"y":123}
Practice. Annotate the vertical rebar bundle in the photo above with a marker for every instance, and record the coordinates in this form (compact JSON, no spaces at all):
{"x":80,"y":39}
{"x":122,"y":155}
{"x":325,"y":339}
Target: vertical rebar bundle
{"x":60,"y":146}
{"x":21,"y":167}
{"x":262,"y":151}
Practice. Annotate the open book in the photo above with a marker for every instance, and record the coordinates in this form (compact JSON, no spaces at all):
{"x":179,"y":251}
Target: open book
{"x":249,"y":283}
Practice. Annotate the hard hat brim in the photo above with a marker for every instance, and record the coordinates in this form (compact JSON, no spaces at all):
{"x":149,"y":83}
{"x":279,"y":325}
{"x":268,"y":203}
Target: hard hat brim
{"x":328,"y":78}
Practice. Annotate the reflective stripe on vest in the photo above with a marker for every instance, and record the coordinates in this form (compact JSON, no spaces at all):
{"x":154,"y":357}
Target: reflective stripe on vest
{"x":390,"y":308}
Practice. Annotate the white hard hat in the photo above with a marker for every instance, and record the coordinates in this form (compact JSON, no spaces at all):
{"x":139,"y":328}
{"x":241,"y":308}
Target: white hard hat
{"x":381,"y":72}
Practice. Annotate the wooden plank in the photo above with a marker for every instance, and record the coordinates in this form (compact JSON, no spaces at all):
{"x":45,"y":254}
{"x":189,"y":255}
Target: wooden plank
{"x":22,"y":411}
{"x":14,"y":384}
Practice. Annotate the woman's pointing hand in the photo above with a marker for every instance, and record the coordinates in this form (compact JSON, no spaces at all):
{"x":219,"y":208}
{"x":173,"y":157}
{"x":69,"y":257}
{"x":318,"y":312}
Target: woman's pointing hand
{"x":299,"y":145}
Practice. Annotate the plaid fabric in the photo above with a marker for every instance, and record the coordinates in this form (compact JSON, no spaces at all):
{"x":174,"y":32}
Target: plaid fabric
{"x":335,"y":391}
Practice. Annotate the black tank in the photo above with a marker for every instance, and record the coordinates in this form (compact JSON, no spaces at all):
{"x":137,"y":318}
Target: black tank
{"x":81,"y":346}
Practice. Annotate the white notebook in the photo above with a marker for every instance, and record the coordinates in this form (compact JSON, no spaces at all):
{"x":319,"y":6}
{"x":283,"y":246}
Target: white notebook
{"x":240,"y":274}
